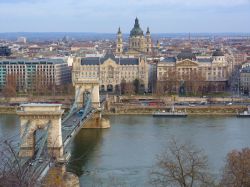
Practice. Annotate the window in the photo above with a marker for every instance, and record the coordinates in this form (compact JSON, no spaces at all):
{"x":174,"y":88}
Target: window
{"x":110,"y":72}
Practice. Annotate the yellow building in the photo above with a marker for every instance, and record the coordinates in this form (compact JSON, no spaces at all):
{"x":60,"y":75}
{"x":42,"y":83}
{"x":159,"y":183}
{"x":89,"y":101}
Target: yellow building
{"x":111,"y":71}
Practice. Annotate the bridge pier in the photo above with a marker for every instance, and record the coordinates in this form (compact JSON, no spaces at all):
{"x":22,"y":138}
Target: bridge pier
{"x":82,"y":86}
{"x":58,"y":176}
{"x":97,"y":121}
{"x":34,"y":117}
{"x":92,"y":86}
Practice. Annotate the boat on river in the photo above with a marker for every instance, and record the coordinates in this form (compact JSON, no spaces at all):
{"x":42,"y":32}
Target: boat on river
{"x":245,"y":114}
{"x":171,"y":113}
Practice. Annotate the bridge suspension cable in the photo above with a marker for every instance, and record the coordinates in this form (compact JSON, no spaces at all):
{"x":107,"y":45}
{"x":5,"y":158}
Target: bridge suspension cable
{"x":87,"y":106}
{"x":25,"y":132}
{"x":73,"y":107}
{"x":40,"y":147}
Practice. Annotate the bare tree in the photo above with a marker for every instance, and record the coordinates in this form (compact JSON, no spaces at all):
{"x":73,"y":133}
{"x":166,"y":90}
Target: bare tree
{"x":137,"y":84}
{"x":160,"y":87}
{"x":237,"y":169}
{"x":13,"y":173}
{"x":39,"y":84}
{"x":129,"y":88}
{"x":181,"y":165}
{"x":70,"y":89}
{"x":123,"y":85}
{"x":10,"y":86}
{"x":42,"y":83}
{"x":21,"y":172}
{"x":171,"y":80}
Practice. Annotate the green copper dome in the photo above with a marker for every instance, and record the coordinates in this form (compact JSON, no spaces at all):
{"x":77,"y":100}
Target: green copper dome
{"x":136,"y":31}
{"x":218,"y":52}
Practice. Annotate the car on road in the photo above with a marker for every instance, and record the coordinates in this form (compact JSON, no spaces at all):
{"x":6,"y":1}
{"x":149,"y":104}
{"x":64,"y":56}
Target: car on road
{"x":80,"y":112}
{"x":191,"y":104}
{"x":203,"y":103}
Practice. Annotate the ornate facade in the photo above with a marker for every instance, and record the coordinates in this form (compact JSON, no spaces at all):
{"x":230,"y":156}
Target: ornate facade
{"x":245,"y":80}
{"x":111,"y":70}
{"x":214,"y":71}
{"x":138,"y":42}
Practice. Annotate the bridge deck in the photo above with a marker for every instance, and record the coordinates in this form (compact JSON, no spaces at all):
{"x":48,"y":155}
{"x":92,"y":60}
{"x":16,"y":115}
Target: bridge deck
{"x":69,"y":125}
{"x":73,"y":125}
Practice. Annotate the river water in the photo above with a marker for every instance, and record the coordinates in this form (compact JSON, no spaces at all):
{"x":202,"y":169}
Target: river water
{"x":125,"y":154}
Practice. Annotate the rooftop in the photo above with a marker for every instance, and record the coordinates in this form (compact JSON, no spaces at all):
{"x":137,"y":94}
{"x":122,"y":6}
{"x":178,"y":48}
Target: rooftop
{"x":40,"y":105}
{"x":204,"y":60}
{"x":245,"y":70}
{"x":109,"y":55}
{"x":34,"y":61}
{"x":169,"y":59}
{"x":186,"y":54}
{"x":218,"y":52}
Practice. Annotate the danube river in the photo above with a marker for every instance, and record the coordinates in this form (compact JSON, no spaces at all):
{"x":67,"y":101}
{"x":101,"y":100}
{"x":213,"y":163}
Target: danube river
{"x":125,"y":154}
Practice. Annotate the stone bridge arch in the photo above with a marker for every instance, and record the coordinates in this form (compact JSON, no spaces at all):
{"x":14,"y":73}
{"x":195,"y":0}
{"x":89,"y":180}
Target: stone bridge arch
{"x":87,"y":85}
{"x":36,"y":116}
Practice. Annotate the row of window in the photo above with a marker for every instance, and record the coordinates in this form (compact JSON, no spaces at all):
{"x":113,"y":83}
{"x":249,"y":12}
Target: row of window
{"x":247,"y":79}
{"x":129,"y":67}
{"x":200,"y":68}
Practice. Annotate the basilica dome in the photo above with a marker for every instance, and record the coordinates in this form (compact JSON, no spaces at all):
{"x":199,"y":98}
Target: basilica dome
{"x":218,"y":52}
{"x":136,"y":31}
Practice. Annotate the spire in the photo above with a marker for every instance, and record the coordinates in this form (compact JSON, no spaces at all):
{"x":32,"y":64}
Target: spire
{"x":136,"y":22}
{"x":119,"y":31}
{"x":148,"y":32}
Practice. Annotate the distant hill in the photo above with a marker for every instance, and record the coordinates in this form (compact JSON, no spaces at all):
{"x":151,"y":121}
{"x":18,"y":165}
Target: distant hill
{"x":54,"y":36}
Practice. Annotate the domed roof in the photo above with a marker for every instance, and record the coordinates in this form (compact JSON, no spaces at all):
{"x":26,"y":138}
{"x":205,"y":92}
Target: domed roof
{"x":218,"y":52}
{"x":136,"y":31}
{"x":186,"y":54}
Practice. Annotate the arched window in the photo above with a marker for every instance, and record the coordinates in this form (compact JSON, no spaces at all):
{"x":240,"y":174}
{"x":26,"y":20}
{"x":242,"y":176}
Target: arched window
{"x":110,"y":72}
{"x":110,"y":88}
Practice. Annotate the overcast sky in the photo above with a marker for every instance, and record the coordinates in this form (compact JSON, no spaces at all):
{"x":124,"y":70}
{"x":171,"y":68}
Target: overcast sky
{"x":162,"y":16}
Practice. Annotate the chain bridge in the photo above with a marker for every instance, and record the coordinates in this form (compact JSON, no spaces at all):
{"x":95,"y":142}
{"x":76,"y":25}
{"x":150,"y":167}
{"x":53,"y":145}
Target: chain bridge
{"x":46,"y":131}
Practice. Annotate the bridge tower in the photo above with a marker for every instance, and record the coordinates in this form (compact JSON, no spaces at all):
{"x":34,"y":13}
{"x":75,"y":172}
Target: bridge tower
{"x":86,"y":85}
{"x":35,"y":116}
{"x":83,"y":85}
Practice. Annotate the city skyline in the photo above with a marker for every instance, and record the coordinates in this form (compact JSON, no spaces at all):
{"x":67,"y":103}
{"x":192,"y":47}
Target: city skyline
{"x":162,"y":16}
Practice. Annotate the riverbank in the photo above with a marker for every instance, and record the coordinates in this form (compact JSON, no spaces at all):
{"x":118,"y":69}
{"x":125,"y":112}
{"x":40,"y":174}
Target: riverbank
{"x":192,"y":114}
{"x":8,"y":109}
{"x":124,"y":105}
{"x":63,"y":99}
{"x":194,"y":110}
{"x":148,"y":110}
{"x":9,"y":105}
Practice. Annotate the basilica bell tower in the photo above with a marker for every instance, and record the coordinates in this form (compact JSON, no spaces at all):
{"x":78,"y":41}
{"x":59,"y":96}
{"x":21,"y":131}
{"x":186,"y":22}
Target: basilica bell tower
{"x":119,"y":45}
